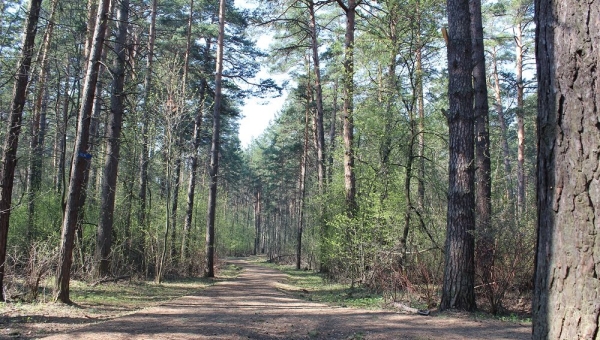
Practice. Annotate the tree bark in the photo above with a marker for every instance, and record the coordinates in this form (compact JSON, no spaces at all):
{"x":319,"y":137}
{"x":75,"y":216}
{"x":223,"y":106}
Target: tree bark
{"x":80,"y":158}
{"x":11,"y":142}
{"x":458,"y":286}
{"x":319,"y":96}
{"x":483,"y":189}
{"x":113,"y":145}
{"x":209,"y":271}
{"x":566,"y":299}
{"x":349,"y":176}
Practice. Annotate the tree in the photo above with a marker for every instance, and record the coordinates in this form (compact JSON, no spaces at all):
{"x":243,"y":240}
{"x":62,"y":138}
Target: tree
{"x":209,"y":270}
{"x":349,"y":175}
{"x":11,"y":143}
{"x":483,"y":193}
{"x":113,"y":144}
{"x":80,"y":157}
{"x":566,"y":297}
{"x":458,"y":286}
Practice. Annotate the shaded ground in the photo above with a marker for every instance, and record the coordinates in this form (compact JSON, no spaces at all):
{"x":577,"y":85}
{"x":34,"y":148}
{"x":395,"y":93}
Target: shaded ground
{"x":252,"y":307}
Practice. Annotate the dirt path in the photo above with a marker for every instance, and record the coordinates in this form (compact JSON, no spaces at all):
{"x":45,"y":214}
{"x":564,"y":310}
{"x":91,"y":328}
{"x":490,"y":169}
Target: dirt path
{"x":251,"y":307}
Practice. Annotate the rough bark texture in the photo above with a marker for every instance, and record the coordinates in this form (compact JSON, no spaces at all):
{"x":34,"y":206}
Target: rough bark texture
{"x":209,"y":270}
{"x":349,"y":176}
{"x":113,"y":145}
{"x":9,"y":158}
{"x":483,"y":189}
{"x":566,"y":302}
{"x":458,"y":286}
{"x":80,"y":158}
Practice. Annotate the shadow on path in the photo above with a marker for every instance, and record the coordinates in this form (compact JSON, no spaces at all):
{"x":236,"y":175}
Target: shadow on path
{"x":251,"y":307}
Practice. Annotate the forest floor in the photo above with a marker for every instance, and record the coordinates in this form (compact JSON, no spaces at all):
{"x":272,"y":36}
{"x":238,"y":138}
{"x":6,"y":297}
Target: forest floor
{"x":257,"y":304}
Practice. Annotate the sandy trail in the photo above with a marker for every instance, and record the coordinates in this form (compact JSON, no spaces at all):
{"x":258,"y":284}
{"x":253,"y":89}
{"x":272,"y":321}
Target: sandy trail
{"x":251,"y":307}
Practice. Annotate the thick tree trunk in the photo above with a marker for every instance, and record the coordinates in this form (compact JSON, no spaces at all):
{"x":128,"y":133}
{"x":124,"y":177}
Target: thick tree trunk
{"x":81,"y":157}
{"x":566,"y":300}
{"x":11,"y":143}
{"x":349,"y":176}
{"x":113,"y":145}
{"x":483,"y":189}
{"x":458,"y":286}
{"x":209,"y":271}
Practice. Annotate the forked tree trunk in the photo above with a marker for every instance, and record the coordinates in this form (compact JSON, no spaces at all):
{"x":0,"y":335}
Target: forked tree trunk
{"x":209,"y":270}
{"x":566,"y":299}
{"x":11,"y":143}
{"x":459,"y":271}
{"x":113,"y":145}
{"x":81,"y":157}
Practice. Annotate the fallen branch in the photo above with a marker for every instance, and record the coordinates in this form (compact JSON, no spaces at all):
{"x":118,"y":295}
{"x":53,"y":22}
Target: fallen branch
{"x":409,"y":309}
{"x":111,"y":279}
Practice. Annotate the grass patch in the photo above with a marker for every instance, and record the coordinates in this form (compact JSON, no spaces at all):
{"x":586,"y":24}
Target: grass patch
{"x":312,"y":286}
{"x":109,"y":300}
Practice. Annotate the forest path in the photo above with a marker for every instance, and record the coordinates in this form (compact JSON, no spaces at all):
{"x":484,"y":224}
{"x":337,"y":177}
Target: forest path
{"x":252,"y":307}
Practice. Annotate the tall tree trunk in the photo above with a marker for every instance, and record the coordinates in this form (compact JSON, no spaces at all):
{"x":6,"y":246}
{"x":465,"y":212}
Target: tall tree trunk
{"x":566,"y":299}
{"x":257,"y":226}
{"x":503,"y":130}
{"x":421,"y":109}
{"x":458,"y":286}
{"x":81,"y":158}
{"x":186,"y":67}
{"x":113,"y":145}
{"x":191,"y":191}
{"x":302,"y":188}
{"x":11,"y":142}
{"x":209,"y":271}
{"x":332,"y":132}
{"x":175,"y":198}
{"x":483,"y":189}
{"x":38,"y":126}
{"x":520,"y":121}
{"x":349,"y":176}
{"x":319,"y":96}
{"x":142,"y":219}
